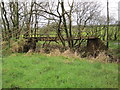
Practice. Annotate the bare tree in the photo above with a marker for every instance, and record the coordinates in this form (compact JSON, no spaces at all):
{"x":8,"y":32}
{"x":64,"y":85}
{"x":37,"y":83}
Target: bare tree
{"x":85,"y":11}
{"x":14,"y":16}
{"x":5,"y":21}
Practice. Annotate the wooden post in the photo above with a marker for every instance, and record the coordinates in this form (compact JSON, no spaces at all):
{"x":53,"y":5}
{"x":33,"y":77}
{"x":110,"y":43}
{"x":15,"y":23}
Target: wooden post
{"x":118,"y":25}
{"x":107,"y":25}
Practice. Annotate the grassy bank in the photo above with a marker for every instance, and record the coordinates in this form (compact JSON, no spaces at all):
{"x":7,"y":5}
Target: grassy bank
{"x":41,"y":71}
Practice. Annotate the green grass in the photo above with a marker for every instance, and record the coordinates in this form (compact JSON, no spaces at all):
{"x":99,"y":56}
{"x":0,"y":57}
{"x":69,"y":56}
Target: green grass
{"x":113,"y":44}
{"x":40,"y":71}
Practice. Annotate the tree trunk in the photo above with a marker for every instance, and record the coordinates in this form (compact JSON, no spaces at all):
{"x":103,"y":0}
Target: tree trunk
{"x":64,"y":23}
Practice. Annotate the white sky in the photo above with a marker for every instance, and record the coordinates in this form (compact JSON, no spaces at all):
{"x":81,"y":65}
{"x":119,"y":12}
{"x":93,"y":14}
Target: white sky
{"x":113,"y":5}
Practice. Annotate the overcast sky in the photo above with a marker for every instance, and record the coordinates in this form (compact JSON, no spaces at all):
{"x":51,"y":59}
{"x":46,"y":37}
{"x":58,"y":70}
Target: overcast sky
{"x":113,"y":5}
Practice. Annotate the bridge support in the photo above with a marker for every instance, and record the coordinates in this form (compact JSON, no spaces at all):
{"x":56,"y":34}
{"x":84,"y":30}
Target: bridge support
{"x":30,"y":45}
{"x":94,"y":46}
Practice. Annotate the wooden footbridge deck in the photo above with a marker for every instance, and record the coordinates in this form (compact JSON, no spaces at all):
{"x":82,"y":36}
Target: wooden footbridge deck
{"x":93,"y":43}
{"x":48,"y":38}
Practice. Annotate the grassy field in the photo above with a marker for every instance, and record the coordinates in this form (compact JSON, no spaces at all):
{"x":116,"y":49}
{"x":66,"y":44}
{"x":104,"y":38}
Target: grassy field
{"x":115,"y":47}
{"x":113,"y":44}
{"x":41,"y":71}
